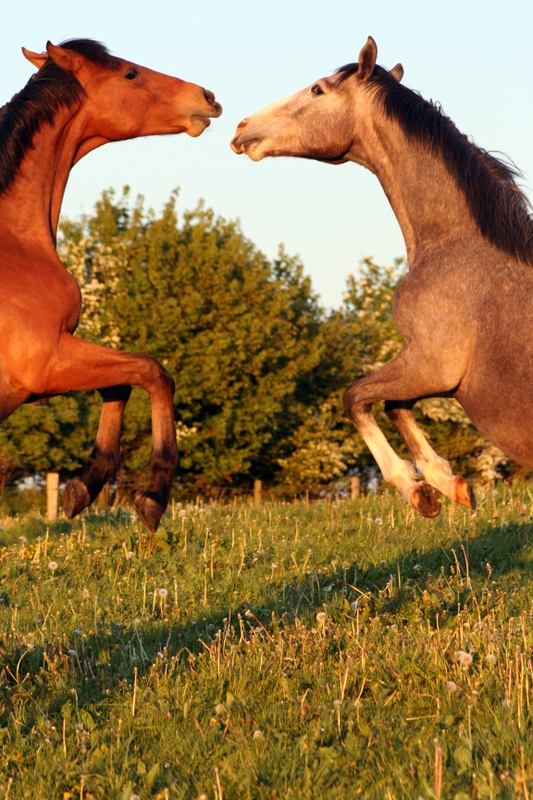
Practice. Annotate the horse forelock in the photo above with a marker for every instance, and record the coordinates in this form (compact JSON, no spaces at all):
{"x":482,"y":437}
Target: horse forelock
{"x":49,"y":90}
{"x":489,"y":184}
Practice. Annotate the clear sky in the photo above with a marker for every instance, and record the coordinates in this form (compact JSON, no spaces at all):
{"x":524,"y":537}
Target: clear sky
{"x":473,"y":56}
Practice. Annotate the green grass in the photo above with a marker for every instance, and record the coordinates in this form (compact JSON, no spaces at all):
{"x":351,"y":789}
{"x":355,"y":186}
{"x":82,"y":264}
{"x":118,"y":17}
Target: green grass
{"x":331,"y":650}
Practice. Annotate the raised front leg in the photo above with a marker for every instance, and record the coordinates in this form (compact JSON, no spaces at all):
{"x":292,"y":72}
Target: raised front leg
{"x":79,"y":365}
{"x":104,"y":459}
{"x":406,"y":376}
{"x":433,"y":468}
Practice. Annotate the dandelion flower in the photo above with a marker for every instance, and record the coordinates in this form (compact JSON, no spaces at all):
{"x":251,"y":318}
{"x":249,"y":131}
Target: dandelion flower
{"x":321,"y":617}
{"x":465,"y":659}
{"x":52,"y":566}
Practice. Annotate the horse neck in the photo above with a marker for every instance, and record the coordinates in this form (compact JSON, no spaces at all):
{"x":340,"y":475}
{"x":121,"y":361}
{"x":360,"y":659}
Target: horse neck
{"x":30,"y":207}
{"x":423,"y":194}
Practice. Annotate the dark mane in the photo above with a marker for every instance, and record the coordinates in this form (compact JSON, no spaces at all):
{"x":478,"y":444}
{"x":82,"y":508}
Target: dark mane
{"x":498,"y":205}
{"x":51,"y":89}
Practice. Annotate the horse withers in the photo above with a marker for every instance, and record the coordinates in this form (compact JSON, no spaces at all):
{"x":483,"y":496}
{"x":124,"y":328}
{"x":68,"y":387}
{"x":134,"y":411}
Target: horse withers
{"x":80,"y":98}
{"x":465,"y":307}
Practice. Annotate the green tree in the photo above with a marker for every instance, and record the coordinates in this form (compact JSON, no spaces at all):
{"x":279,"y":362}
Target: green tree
{"x":239,"y":334}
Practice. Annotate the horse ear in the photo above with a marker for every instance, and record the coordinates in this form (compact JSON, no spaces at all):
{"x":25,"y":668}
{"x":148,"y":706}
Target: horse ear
{"x":367,"y":59}
{"x":397,"y":72}
{"x":66,"y":59}
{"x":37,"y":59}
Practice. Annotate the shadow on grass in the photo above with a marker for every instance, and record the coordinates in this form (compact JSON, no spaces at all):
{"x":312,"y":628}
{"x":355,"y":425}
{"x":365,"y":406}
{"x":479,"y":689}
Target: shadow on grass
{"x":108,"y":660}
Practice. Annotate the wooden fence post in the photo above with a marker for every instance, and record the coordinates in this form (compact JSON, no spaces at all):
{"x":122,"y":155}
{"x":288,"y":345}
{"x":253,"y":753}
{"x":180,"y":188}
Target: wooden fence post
{"x":355,"y":487}
{"x":257,"y":493}
{"x":52,"y":492}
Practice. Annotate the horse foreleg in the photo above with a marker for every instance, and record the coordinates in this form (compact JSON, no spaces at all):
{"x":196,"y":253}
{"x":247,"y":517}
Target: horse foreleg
{"x":433,"y":468}
{"x":408,"y":375}
{"x":78,"y":365}
{"x":394,"y":469}
{"x":104,"y":459}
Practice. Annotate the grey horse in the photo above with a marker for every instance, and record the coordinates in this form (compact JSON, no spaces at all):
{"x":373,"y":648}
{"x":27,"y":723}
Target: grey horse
{"x":465,"y":308}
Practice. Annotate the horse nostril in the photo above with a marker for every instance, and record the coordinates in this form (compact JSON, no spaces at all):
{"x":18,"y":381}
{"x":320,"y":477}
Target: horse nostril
{"x":209,"y":96}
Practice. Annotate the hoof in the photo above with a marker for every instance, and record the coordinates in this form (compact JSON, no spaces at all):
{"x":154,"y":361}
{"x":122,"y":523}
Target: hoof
{"x":463,"y":493}
{"x":149,"y":510}
{"x":75,"y":497}
{"x":425,"y":499}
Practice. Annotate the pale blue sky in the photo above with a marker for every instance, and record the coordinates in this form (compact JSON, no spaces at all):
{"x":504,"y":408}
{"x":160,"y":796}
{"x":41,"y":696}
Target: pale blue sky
{"x":474,"y":57}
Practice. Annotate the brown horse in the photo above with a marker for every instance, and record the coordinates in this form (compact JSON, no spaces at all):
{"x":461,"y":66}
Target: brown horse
{"x":465,"y":307}
{"x":80,"y":98}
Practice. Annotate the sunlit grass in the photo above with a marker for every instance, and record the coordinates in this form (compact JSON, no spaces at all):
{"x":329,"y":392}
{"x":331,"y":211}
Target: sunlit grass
{"x":330,"y":650}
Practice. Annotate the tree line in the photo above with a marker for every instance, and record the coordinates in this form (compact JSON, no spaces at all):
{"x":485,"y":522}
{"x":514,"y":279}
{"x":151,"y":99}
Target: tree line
{"x":259,"y":365}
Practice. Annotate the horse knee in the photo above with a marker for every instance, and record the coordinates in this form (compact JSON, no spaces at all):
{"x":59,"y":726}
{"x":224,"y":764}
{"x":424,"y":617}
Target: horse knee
{"x":160,"y":376}
{"x":354,"y":407}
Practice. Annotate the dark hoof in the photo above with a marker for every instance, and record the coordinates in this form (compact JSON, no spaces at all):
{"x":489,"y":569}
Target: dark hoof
{"x":75,"y":497}
{"x":425,"y":499}
{"x":149,"y":510}
{"x":463,"y":493}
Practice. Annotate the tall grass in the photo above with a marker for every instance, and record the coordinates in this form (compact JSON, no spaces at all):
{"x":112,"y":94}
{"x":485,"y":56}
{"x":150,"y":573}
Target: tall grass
{"x":331,"y":650}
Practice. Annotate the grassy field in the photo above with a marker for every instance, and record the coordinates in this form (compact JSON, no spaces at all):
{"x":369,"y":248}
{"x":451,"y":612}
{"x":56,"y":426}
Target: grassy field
{"x":332,"y":650}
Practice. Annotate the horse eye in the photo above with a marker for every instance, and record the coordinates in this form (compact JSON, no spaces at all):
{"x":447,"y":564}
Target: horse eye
{"x":131,"y":74}
{"x":316,"y":89}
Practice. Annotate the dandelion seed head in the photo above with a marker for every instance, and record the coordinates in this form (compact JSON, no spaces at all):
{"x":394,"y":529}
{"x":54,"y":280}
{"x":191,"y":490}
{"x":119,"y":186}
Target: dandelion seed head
{"x":464,"y":658}
{"x":220,"y":708}
{"x":258,"y":734}
{"x":52,"y":565}
{"x":162,"y":592}
{"x":321,"y":617}
{"x":491,"y":659}
{"x":85,"y":594}
{"x":452,"y":686}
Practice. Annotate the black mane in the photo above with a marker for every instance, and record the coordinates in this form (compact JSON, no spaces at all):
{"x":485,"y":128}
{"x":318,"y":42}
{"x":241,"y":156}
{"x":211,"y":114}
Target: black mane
{"x":498,"y":205}
{"x":51,"y":89}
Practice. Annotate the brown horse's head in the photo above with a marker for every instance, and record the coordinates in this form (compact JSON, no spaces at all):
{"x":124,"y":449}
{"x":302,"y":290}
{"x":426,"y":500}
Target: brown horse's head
{"x":123,"y":100}
{"x":319,"y":122}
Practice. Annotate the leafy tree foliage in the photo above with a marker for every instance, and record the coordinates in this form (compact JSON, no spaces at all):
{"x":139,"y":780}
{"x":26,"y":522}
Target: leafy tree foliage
{"x":239,"y":334}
